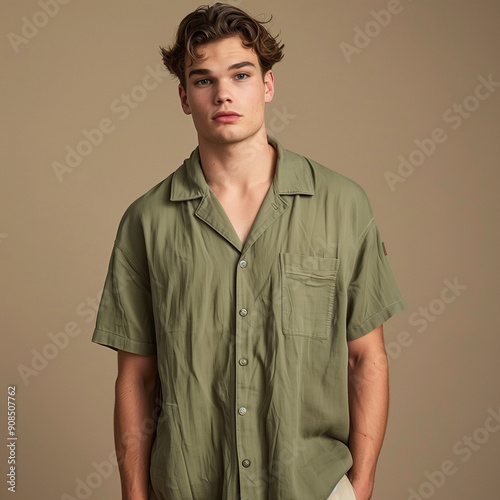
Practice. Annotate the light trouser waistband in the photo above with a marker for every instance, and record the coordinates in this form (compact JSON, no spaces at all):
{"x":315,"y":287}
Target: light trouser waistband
{"x":343,"y":490}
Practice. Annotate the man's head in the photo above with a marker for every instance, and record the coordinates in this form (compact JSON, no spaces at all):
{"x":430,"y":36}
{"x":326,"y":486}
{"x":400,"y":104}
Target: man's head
{"x":212,"y":23}
{"x":223,"y":59}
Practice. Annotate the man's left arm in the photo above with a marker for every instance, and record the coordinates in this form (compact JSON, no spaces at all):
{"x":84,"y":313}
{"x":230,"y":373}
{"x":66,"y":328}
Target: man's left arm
{"x":368,"y":408}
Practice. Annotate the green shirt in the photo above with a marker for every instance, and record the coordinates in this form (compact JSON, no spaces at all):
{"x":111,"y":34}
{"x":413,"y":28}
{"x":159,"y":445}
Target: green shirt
{"x":251,"y":340}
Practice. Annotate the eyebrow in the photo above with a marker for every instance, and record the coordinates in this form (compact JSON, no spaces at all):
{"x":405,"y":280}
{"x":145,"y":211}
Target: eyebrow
{"x":202,"y":71}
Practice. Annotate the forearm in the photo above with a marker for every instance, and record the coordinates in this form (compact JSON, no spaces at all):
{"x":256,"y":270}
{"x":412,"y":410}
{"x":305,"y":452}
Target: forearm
{"x":133,"y":431}
{"x":368,"y":407}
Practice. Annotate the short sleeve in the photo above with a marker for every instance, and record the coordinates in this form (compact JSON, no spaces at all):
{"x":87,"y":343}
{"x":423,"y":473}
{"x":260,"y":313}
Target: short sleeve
{"x":125,"y":316}
{"x":373,"y":293}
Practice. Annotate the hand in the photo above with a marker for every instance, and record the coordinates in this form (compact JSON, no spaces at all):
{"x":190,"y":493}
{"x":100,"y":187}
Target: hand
{"x":362,"y":490}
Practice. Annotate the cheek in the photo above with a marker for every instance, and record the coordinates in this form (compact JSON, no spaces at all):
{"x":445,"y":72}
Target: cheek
{"x":198,"y":98}
{"x":258,"y":98}
{"x":197,"y":108}
{"x":260,"y":105}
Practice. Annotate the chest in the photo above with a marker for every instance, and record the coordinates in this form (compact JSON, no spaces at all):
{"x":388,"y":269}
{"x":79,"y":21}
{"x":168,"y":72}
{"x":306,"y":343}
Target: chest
{"x":242,"y":211}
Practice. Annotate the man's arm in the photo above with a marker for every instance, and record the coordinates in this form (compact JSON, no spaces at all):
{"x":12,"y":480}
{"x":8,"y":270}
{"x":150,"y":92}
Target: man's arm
{"x":133,"y":416}
{"x":368,"y":408}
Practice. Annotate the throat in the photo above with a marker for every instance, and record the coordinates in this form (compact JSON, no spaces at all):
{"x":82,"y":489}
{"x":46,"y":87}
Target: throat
{"x":242,"y":210}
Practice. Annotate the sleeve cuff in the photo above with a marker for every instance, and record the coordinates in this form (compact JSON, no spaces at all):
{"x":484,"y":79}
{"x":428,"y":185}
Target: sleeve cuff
{"x":376,"y":319}
{"x":116,"y":342}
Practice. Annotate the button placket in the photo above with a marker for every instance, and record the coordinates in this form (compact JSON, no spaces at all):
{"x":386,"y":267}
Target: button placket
{"x":242,"y":349}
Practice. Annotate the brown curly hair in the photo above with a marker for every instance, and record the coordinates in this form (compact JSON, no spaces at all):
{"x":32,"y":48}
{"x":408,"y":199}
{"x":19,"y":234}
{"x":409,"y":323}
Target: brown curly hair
{"x":211,"y":23}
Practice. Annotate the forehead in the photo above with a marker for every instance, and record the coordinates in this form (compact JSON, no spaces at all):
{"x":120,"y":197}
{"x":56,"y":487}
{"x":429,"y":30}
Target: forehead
{"x":220,"y":52}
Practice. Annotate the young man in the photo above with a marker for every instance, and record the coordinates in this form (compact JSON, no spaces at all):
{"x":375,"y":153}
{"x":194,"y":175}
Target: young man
{"x":247,"y":291}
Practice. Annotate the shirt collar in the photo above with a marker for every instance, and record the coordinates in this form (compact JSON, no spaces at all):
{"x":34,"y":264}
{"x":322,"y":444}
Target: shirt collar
{"x":293,"y":175}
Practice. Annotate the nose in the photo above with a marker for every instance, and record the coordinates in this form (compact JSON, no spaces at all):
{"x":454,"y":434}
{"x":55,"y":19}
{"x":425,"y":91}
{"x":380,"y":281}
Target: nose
{"x":222,"y":93}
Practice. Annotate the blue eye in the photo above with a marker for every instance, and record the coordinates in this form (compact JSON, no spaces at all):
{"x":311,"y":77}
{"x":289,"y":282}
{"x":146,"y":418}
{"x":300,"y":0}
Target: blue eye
{"x":199,"y":82}
{"x":243,"y":75}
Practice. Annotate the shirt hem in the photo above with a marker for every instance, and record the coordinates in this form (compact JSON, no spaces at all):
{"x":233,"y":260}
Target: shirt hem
{"x":116,"y":342}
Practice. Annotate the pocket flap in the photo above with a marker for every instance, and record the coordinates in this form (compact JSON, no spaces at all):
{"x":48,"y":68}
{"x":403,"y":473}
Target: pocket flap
{"x":309,"y":265}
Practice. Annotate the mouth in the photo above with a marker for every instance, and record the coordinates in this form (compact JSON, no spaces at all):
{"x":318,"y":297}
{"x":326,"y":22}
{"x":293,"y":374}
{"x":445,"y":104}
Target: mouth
{"x":226,"y":116}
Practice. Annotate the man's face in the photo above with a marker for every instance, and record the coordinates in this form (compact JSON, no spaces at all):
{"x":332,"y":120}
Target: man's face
{"x":227,"y":79}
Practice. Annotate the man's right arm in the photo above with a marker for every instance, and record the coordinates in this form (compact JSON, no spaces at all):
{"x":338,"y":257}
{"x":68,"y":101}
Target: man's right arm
{"x":135,"y":398}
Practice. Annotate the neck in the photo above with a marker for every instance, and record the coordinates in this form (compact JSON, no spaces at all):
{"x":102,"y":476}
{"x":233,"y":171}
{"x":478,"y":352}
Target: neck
{"x":239,"y":166}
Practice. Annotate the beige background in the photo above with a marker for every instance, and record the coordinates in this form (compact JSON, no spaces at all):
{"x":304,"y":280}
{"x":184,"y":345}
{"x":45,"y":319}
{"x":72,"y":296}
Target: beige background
{"x":355,"y":117}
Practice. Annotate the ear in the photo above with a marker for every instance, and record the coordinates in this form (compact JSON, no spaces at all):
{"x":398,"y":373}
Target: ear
{"x":184,"y":100}
{"x":269,"y":85}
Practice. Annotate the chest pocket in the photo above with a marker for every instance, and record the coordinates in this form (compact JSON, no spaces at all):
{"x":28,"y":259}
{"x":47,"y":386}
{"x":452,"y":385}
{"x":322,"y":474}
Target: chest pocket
{"x":307,"y":294}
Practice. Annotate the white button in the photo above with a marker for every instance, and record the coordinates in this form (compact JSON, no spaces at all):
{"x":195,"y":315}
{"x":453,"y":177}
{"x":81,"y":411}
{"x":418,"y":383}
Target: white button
{"x":243,"y":263}
{"x":243,"y":361}
{"x":243,"y":312}
{"x":242,"y":410}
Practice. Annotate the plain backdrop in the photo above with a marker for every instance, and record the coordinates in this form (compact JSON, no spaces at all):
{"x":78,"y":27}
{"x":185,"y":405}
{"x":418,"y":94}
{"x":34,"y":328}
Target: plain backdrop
{"x":401,"y":96}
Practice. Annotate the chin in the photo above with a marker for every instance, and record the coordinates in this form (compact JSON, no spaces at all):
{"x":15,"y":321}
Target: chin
{"x":229,"y":137}
{"x":228,"y":134}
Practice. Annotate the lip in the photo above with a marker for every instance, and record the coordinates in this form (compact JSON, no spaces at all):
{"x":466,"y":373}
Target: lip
{"x":226,"y":116}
